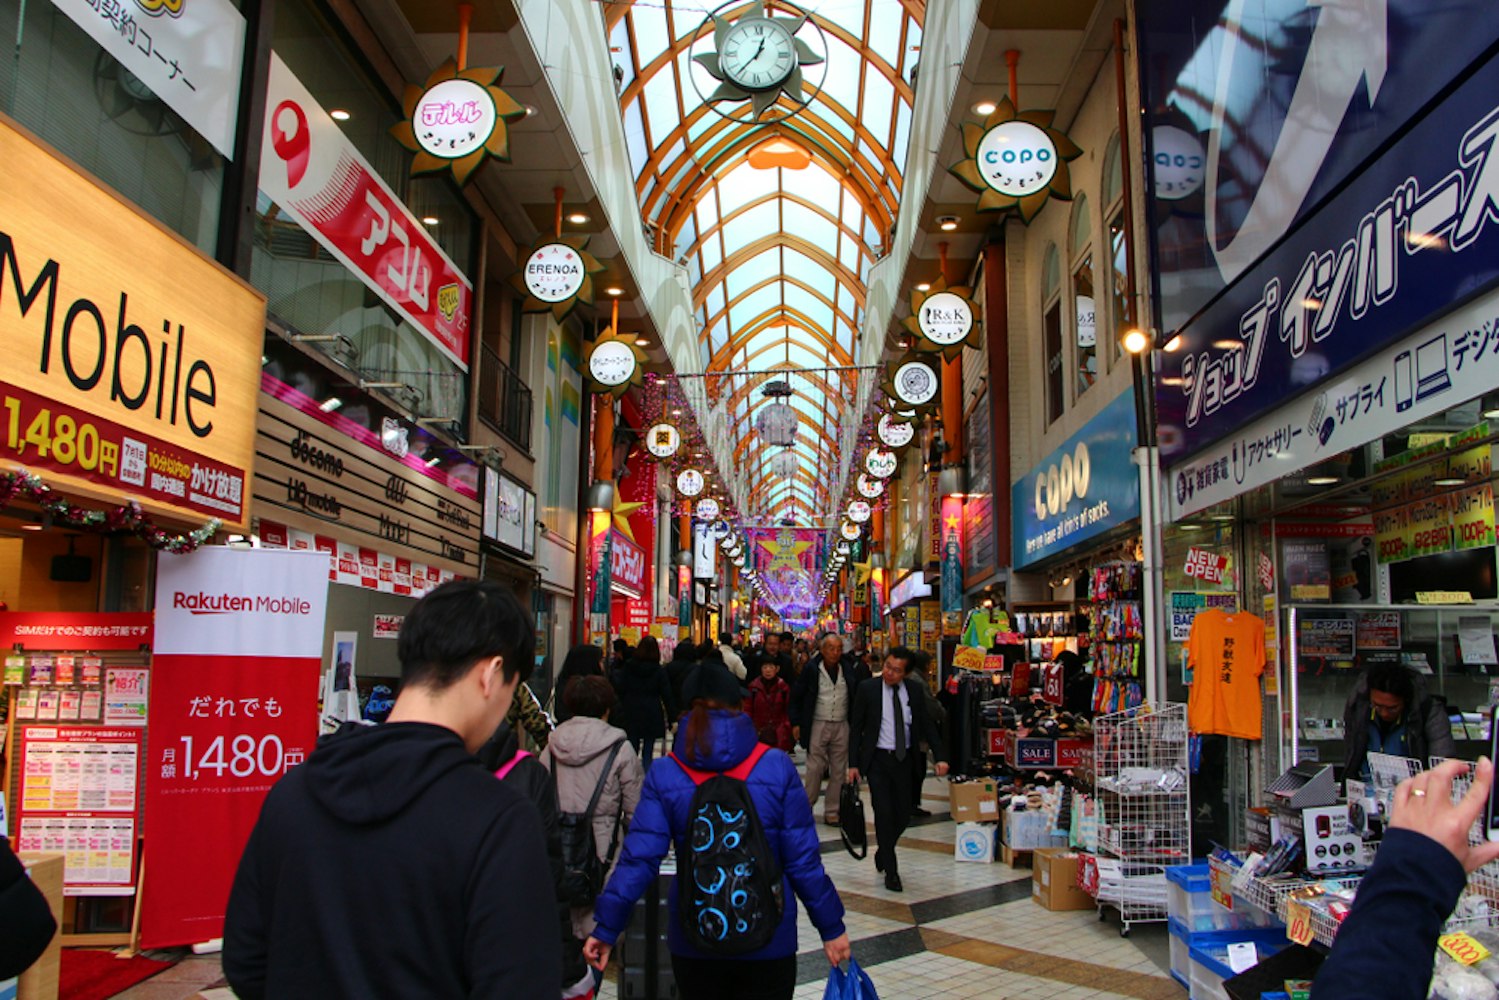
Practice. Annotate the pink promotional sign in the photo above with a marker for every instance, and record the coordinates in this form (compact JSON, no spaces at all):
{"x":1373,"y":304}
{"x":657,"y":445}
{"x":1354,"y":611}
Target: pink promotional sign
{"x":311,"y":170}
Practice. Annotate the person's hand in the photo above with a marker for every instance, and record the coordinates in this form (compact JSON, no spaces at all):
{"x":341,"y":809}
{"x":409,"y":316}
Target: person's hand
{"x":596,"y":953}
{"x":853,"y":776}
{"x":1424,"y":805}
{"x":941,"y":769}
{"x":838,"y":950}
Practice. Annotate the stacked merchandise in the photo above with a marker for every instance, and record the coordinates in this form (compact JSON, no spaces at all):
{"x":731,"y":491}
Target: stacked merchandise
{"x":1117,"y":636}
{"x":1198,"y":923}
{"x":974,"y":805}
{"x":1034,"y":818}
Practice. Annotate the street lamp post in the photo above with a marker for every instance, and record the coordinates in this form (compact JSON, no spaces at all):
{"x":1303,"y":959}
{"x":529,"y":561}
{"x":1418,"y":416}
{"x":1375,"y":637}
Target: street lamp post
{"x":1140,"y":346}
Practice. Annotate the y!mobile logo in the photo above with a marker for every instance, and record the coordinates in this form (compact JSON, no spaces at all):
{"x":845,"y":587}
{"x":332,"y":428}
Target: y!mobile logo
{"x":202,"y":603}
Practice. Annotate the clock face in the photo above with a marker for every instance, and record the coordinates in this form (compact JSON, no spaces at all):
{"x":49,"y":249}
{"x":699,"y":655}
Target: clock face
{"x":1017,"y":158}
{"x":663,"y":440}
{"x":915,"y":383}
{"x":612,"y":363}
{"x":758,"y":54}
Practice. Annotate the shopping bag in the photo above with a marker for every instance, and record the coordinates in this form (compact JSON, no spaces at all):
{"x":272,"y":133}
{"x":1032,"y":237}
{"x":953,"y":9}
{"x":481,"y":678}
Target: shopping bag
{"x":851,"y":985}
{"x":851,"y":821}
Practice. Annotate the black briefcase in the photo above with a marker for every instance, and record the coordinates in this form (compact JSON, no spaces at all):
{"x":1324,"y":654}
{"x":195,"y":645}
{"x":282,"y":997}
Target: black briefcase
{"x":851,"y":821}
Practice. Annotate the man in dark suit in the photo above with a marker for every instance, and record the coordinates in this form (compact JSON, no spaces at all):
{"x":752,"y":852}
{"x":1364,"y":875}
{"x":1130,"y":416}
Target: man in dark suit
{"x":886,"y":723}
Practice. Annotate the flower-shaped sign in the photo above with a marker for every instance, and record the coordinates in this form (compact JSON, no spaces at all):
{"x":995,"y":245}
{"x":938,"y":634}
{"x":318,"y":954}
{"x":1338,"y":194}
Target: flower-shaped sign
{"x":613,"y":364}
{"x":557,"y":275}
{"x":690,"y":482}
{"x":663,"y":440}
{"x":707,"y":509}
{"x":913,"y":382}
{"x":893,"y":432}
{"x":881,"y":464}
{"x":1016,"y":160}
{"x":859,"y":511}
{"x":945,"y":319}
{"x":872,"y":487}
{"x":456,"y":119}
{"x":850,"y":531}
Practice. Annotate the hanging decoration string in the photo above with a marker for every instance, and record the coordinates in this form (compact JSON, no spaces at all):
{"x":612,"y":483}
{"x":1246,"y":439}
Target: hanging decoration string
{"x":128,"y":519}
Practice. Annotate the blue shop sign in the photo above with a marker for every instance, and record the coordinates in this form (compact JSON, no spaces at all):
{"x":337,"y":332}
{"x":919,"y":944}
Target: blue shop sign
{"x":1282,"y":252}
{"x":1083,"y":489}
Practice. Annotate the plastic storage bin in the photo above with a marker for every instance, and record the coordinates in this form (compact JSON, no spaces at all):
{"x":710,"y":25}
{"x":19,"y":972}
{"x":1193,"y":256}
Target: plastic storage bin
{"x":1182,"y":941}
{"x":1210,"y":968}
{"x":1190,"y":900}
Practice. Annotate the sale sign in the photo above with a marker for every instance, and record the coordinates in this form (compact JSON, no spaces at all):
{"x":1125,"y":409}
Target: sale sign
{"x":1205,"y":566}
{"x":233,"y":707}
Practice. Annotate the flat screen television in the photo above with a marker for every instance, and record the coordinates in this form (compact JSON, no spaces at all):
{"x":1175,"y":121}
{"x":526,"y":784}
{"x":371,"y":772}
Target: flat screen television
{"x":1472,"y":570}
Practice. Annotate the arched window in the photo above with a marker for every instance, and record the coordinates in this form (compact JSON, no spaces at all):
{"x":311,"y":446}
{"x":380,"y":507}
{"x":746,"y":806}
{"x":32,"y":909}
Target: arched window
{"x":1084,"y":316}
{"x":1113,"y":210}
{"x":1051,"y":331}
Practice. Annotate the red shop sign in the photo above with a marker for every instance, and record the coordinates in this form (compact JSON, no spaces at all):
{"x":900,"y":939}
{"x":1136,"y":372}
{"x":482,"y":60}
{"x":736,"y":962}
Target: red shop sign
{"x":84,"y":630}
{"x":1205,"y":566}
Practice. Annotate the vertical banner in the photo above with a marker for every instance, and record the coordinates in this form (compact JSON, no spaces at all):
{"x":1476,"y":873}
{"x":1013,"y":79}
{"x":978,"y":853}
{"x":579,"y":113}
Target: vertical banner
{"x":952,"y":566}
{"x":340,"y":690}
{"x":684,"y":602}
{"x":234,"y":690}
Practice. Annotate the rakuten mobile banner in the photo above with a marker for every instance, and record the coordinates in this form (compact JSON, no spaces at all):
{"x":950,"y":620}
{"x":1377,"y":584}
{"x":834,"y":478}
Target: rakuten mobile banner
{"x":242,"y":602}
{"x":234,"y":692}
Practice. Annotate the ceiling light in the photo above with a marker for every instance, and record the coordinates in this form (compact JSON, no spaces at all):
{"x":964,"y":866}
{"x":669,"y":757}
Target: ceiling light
{"x":985,"y":108}
{"x":641,"y":342}
{"x":530,"y":109}
{"x":616,"y":292}
{"x":577,"y":218}
{"x":1311,"y":303}
{"x":924,"y":286}
{"x":1425,"y":241}
{"x":31,"y":527}
{"x":434,"y":460}
{"x":1491,"y":414}
{"x":429,"y":220}
{"x":947,"y":223}
{"x":1322,"y":480}
{"x":1449,"y":482}
{"x":330,"y":404}
{"x":339,"y":115}
{"x":1229,"y":345}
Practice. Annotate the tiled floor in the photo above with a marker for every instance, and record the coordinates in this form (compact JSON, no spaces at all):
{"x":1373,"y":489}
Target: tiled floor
{"x":959,"y":930}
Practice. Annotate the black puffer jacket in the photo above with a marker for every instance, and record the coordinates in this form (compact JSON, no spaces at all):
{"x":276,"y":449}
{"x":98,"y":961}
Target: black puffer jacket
{"x":645,"y":700}
{"x":24,"y":914}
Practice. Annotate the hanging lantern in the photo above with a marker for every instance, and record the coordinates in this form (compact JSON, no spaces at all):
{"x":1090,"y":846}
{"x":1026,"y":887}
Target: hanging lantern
{"x":784,"y":465}
{"x":777,"y":423}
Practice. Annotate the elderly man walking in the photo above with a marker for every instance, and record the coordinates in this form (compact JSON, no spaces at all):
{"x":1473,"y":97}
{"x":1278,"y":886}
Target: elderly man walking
{"x":820,"y":704}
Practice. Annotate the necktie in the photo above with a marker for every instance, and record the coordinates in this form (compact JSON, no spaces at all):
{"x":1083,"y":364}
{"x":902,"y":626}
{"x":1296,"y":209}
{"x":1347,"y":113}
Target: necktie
{"x":900,"y":724}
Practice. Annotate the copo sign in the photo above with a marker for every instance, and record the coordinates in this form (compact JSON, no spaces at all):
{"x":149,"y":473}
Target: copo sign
{"x":1061,"y":482}
{"x":554,"y":272}
{"x":1017,"y":158}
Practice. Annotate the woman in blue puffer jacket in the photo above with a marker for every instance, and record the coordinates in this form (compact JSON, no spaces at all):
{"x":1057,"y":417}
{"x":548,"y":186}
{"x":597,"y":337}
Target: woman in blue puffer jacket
{"x":717,"y":736}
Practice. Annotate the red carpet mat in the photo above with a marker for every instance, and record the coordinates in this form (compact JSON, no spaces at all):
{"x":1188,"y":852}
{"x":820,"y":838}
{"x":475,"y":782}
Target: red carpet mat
{"x":89,"y":974}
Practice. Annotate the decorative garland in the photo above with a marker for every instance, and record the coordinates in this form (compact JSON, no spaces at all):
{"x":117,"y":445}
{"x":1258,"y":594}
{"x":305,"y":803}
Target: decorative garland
{"x":129,"y":518}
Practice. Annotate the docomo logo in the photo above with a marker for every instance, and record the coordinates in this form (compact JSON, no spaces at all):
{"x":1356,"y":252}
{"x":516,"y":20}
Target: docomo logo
{"x":1061,"y":483}
{"x":203,"y":603}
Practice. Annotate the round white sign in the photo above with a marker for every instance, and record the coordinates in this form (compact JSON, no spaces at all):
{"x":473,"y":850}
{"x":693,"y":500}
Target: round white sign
{"x":690,"y":482}
{"x":945,"y":319}
{"x":612,"y":363}
{"x":1179,"y":162}
{"x":871,"y":486}
{"x":554,"y":272}
{"x":915,"y":383}
{"x":895,"y":433}
{"x":849,"y":530}
{"x":454,"y":118}
{"x":881,"y":463}
{"x":720,"y":530}
{"x":859,"y":511}
{"x":663,"y":440}
{"x":1087,"y":322}
{"x":1017,"y":158}
{"x":707,"y":509}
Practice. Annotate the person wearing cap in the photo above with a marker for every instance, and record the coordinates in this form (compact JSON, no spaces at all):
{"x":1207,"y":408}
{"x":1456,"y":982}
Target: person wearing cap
{"x":716,"y":736}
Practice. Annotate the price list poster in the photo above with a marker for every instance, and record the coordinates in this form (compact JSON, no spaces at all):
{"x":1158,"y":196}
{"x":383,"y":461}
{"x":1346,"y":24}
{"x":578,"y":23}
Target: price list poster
{"x":233,"y":707}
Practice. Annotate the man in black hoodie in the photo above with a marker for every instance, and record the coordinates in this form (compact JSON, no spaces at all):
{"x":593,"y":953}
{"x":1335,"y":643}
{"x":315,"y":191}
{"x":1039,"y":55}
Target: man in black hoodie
{"x":391,"y":864}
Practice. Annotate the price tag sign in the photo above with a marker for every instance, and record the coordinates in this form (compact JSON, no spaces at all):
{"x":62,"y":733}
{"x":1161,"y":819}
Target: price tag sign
{"x":1242,"y":956}
{"x":1222,"y":887}
{"x":1463,"y":948}
{"x":1299,"y":923}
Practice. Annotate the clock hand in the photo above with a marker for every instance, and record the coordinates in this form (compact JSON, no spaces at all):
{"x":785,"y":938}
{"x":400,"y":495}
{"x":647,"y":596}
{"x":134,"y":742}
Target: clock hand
{"x":758,"y":51}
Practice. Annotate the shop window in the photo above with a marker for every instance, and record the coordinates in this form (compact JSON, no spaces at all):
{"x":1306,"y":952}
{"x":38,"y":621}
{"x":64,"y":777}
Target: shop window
{"x":1051,"y":333}
{"x":64,"y":87}
{"x":1113,"y":207}
{"x":1084,"y":313}
{"x":307,"y":288}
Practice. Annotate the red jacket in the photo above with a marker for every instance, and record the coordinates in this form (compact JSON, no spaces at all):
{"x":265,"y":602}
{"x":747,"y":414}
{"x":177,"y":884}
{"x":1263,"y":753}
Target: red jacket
{"x":769,"y":711}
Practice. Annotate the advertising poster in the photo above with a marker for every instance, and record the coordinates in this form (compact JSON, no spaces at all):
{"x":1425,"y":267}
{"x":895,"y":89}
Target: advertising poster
{"x":1473,"y":518}
{"x":1185,"y":604}
{"x":1378,"y":630}
{"x":1330,"y":638}
{"x":1430,"y":527}
{"x":1306,"y":570}
{"x":340,"y":689}
{"x":234,"y":697}
{"x":126,"y":693}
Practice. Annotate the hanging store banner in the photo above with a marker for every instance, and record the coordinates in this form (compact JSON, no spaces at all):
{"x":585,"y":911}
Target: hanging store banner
{"x":312,"y":171}
{"x":75,"y":630}
{"x":1086,"y":487}
{"x":1473,"y":518}
{"x":131,"y":375}
{"x":627,"y":564}
{"x":704,"y":552}
{"x":980,"y":528}
{"x":189,"y":55}
{"x":234,"y":702}
{"x":1390,"y":249}
{"x":952,"y":561}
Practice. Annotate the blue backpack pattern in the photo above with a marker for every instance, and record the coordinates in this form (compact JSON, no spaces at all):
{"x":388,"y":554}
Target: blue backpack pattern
{"x":729,"y":892}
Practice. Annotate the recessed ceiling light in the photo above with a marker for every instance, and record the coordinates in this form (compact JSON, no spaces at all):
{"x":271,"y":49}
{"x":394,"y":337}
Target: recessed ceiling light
{"x":641,"y":342}
{"x":330,"y":404}
{"x":985,"y":108}
{"x":429,"y":220}
{"x":339,"y":115}
{"x":924,"y":286}
{"x":616,"y":292}
{"x":1229,"y":345}
{"x":577,"y":218}
{"x":1448,"y":482}
{"x":1322,"y":480}
{"x":530,"y":109}
{"x":947,"y":223}
{"x":1491,"y":414}
{"x":31,"y":527}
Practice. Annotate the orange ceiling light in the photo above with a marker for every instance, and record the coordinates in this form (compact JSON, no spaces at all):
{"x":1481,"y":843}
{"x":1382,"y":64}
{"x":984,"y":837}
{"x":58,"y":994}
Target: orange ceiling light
{"x":779,"y":151}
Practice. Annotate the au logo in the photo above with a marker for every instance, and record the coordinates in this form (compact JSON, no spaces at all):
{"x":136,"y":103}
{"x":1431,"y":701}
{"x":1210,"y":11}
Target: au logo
{"x":156,"y":8}
{"x":448,"y":298}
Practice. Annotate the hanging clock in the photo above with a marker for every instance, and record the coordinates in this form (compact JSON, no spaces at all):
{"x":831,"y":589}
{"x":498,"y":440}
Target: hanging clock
{"x":894,"y":433}
{"x":706,"y":509}
{"x":759,"y":58}
{"x":881,"y":463}
{"x":872,"y":487}
{"x":690,"y":482}
{"x":859,"y":511}
{"x":663,"y":440}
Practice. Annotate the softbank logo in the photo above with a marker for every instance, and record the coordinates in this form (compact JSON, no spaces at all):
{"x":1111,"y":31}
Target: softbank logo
{"x":203,"y":603}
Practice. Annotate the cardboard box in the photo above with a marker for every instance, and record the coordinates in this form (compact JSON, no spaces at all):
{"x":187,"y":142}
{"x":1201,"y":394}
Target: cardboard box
{"x":1054,"y":880}
{"x":974,"y":842}
{"x":973,"y":801}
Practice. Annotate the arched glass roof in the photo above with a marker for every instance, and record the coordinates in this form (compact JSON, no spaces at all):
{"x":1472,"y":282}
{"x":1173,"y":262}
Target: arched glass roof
{"x":778,"y":258}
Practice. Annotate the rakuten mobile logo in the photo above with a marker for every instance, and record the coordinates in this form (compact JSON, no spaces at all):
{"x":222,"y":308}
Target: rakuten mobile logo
{"x":202,"y":603}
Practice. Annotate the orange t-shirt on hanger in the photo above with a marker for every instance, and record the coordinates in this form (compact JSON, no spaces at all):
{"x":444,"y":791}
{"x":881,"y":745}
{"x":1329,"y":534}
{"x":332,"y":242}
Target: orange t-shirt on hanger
{"x":1227,"y":655}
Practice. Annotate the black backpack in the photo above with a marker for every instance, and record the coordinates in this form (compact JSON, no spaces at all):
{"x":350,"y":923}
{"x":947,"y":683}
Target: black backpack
{"x":583,"y":873}
{"x":729,"y":890}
